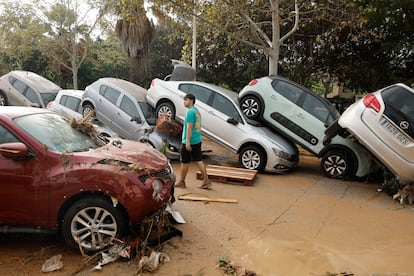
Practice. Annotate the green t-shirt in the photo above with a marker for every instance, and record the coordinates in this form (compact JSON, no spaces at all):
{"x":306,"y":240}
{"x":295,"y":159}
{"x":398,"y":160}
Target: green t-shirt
{"x":192,"y":116}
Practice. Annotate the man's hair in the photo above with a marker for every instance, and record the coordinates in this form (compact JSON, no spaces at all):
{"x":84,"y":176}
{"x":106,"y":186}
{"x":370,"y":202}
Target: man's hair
{"x":190,"y":97}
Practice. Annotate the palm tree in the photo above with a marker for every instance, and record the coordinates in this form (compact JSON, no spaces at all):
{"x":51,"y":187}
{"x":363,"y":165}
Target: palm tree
{"x":135,"y":32}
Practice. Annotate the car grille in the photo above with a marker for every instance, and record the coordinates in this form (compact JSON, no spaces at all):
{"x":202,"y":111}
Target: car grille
{"x":165,"y":173}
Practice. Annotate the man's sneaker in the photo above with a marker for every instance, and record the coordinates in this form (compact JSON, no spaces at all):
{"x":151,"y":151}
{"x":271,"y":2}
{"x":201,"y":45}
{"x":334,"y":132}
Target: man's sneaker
{"x":206,"y":185}
{"x":180,"y":184}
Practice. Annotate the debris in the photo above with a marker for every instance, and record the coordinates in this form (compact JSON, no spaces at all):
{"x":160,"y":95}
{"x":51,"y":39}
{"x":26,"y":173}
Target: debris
{"x":150,"y":263}
{"x":229,"y":175}
{"x":52,"y":264}
{"x":169,"y":127}
{"x":175,"y":214}
{"x":201,"y":198}
{"x":229,"y":268}
{"x":112,"y":255}
{"x":406,"y":194}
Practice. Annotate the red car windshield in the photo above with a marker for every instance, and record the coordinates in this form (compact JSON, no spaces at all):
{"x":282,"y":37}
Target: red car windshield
{"x":55,"y":133}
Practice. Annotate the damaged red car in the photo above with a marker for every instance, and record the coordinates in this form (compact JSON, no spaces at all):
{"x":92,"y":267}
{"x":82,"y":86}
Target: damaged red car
{"x":53,"y":176}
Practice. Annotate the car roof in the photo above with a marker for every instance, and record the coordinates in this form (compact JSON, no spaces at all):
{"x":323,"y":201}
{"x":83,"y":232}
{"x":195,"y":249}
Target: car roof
{"x":226,"y":92}
{"x":17,"y":111}
{"x":136,"y":91}
{"x":71,"y":92}
{"x":36,"y":81}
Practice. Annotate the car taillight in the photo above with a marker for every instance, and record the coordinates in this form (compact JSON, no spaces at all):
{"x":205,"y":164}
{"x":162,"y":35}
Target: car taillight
{"x":49,"y":104}
{"x":253,"y":82}
{"x":153,"y":82}
{"x":370,"y":101}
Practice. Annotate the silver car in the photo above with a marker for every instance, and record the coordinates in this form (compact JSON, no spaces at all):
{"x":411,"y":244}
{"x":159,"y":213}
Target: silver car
{"x":26,"y":89}
{"x":121,"y":105}
{"x":223,"y":122}
{"x":383,"y":122}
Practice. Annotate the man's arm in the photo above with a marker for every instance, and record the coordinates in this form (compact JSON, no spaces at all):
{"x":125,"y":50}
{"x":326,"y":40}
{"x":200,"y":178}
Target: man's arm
{"x":188,"y":135}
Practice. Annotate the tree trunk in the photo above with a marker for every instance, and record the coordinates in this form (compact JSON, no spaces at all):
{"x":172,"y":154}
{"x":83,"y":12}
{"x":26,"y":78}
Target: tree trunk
{"x":274,"y":50}
{"x":135,"y":69}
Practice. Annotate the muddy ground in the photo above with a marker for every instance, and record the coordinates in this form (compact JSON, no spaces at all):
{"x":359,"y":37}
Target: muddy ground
{"x":301,"y":223}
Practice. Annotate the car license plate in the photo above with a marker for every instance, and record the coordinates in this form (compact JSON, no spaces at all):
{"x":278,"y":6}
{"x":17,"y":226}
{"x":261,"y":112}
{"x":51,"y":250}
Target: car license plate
{"x":395,"y":132}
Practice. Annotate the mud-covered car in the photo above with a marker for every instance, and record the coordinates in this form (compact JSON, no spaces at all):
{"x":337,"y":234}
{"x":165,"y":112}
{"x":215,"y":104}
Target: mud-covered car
{"x":26,"y":88}
{"x":383,"y":121}
{"x":53,"y":176}
{"x":122,"y":106}
{"x":302,"y":116}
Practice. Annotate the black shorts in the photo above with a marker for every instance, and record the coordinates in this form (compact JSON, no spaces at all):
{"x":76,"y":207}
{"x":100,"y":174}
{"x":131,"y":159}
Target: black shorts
{"x":193,"y":155}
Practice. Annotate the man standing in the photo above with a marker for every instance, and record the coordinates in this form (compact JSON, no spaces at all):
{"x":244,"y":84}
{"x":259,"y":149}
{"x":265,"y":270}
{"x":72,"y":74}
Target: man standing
{"x":191,"y":143}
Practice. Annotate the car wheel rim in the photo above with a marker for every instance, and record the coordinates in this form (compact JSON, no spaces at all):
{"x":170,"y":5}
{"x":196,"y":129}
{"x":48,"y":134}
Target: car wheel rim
{"x":335,"y":165}
{"x":251,"y":160}
{"x":86,"y":111}
{"x":165,"y":110}
{"x":2,"y":101}
{"x":93,"y":228}
{"x":250,"y":107}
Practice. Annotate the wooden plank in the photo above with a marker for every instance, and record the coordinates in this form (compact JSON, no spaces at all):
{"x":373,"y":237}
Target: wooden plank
{"x":201,"y":198}
{"x":229,"y":175}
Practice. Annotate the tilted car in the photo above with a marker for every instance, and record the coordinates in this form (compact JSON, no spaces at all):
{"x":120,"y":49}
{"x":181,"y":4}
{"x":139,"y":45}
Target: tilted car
{"x":68,"y":104}
{"x":303,"y":116}
{"x":383,"y":122}
{"x":223,"y":122}
{"x":54,"y":177}
{"x":122,"y":106}
{"x":26,"y":88}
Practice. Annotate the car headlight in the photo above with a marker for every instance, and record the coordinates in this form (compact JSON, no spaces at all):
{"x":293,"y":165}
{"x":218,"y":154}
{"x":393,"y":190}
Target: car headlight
{"x":282,"y":154}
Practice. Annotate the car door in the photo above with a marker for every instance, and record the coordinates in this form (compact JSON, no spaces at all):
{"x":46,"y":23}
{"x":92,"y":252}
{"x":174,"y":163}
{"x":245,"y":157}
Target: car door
{"x":16,"y":92}
{"x":223,"y":120}
{"x":127,"y":121}
{"x":33,"y":97}
{"x":106,"y":108}
{"x":70,"y":107}
{"x":288,"y":117}
{"x":23,"y":198}
{"x":203,"y":96}
{"x":314,"y":115}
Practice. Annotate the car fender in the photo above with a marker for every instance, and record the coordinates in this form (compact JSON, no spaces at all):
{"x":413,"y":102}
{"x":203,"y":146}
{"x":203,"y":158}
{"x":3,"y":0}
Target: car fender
{"x":254,"y":93}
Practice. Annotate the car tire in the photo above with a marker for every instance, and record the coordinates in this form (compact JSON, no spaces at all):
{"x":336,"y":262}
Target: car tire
{"x":96,"y":221}
{"x":87,"y":108}
{"x":166,"y":108}
{"x":253,"y":158}
{"x":3,"y":99}
{"x":251,"y":107}
{"x":338,"y":163}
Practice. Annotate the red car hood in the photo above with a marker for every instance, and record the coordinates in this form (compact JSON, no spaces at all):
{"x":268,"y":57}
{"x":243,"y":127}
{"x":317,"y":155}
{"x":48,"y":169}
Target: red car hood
{"x":138,"y":154}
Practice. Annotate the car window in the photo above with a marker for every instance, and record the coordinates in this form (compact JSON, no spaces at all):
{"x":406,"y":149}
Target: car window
{"x":316,"y":107}
{"x":128,"y":106}
{"x":6,"y":136}
{"x":52,"y":131}
{"x":109,"y":93}
{"x":149,"y":113}
{"x":287,"y":90}
{"x":225,"y":106}
{"x":48,"y":97}
{"x":399,"y":106}
{"x":70,"y":102}
{"x":20,"y":86}
{"x":32,"y":96}
{"x":201,"y":93}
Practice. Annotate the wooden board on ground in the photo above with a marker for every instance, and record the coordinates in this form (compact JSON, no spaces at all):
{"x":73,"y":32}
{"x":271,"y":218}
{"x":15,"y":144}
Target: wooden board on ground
{"x":208,"y":199}
{"x":229,"y":175}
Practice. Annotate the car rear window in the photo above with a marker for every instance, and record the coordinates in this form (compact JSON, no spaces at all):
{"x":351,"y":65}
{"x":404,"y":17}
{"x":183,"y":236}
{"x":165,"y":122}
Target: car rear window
{"x":48,"y":97}
{"x":399,"y":107}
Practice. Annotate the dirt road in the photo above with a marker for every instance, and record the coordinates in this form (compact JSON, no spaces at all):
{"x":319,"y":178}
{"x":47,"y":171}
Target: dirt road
{"x":301,"y":223}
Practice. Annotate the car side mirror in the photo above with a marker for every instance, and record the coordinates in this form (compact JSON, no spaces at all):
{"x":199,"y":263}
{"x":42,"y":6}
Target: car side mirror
{"x":232,"y":121}
{"x":136,"y":119}
{"x":14,"y":150}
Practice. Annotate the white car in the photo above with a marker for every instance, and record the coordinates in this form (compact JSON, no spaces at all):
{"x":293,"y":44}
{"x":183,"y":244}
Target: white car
{"x":68,"y":104}
{"x":223,"y":122}
{"x":383,"y":122}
